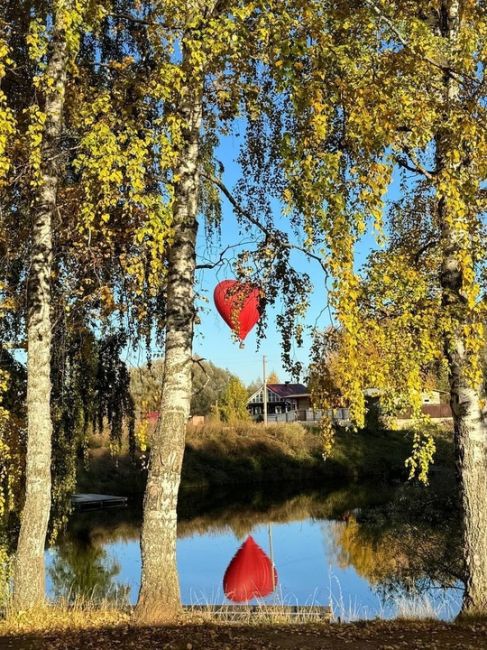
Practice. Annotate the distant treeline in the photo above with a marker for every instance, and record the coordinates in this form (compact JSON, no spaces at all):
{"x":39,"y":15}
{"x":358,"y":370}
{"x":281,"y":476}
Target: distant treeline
{"x":209,"y":382}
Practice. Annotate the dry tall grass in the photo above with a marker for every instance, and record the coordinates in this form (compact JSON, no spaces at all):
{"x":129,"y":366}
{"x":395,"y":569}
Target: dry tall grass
{"x":61,"y":616}
{"x":290,"y":439}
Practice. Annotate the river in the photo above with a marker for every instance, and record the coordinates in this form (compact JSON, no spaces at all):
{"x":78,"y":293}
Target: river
{"x":368,"y":551}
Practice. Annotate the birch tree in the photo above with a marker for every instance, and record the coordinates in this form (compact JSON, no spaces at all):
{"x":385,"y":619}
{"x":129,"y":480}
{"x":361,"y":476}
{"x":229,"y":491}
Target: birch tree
{"x":41,"y":47}
{"x":45,"y":131}
{"x":139,"y":105}
{"x":396,"y":91}
{"x":211,"y":78}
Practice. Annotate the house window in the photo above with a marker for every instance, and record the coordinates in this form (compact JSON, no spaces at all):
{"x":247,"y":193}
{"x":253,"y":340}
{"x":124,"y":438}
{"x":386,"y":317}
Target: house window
{"x":278,"y":408}
{"x":257,"y":399}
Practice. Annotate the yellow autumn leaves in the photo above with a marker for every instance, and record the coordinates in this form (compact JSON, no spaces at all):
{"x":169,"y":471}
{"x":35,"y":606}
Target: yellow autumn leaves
{"x":7,"y":120}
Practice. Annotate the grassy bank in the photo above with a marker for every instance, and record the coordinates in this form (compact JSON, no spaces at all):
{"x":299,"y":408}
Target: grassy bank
{"x":253,"y":454}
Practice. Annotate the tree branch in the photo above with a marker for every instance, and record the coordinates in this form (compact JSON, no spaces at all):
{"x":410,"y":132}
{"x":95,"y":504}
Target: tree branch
{"x":271,"y":234}
{"x":440,"y":66}
{"x":405,"y":165}
{"x":212,"y":265}
{"x":416,"y":166}
{"x":424,"y":248}
{"x":198,"y":363}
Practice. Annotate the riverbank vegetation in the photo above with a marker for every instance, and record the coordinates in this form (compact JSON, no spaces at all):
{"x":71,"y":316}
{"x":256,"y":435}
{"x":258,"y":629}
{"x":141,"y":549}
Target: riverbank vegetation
{"x":401,"y":539}
{"x":249,"y":453}
{"x":384,"y":534}
{"x":398,"y":537}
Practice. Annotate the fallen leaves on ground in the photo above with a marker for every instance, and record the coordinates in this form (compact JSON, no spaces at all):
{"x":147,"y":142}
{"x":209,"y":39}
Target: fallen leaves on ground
{"x":374,"y":635}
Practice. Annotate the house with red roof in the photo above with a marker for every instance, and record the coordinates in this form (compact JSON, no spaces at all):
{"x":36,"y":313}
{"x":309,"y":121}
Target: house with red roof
{"x":281,"y":399}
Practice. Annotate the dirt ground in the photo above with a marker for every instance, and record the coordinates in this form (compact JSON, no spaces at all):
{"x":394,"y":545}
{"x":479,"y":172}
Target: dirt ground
{"x":376,"y":635}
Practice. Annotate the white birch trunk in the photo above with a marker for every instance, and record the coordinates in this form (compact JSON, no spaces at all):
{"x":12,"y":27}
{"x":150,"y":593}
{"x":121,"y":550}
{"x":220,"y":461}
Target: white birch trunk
{"x":471,"y":454}
{"x":29,"y":571}
{"x":159,"y":596}
{"x":470,"y":422}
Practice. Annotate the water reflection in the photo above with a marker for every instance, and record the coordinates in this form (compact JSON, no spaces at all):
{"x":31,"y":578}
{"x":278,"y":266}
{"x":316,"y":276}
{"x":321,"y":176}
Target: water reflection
{"x":251,"y":574}
{"x":354,"y":545}
{"x":409,"y":545}
{"x":85,"y":572}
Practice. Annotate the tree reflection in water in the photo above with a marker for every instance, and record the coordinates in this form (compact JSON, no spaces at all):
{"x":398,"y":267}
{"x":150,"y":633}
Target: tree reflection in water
{"x":405,"y":547}
{"x":82,"y":572}
{"x":402,"y":541}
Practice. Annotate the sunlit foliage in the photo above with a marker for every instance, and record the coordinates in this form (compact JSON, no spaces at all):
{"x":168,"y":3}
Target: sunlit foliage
{"x":232,"y":406}
{"x":390,"y":97}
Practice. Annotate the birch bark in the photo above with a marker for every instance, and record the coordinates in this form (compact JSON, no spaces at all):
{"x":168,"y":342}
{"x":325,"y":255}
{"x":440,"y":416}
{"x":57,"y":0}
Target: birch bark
{"x":470,"y":422}
{"x":29,"y":570}
{"x":159,"y":596}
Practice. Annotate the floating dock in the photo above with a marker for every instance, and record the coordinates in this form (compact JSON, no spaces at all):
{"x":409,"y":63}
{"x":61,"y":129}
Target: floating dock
{"x":95,"y":501}
{"x":264,"y":612}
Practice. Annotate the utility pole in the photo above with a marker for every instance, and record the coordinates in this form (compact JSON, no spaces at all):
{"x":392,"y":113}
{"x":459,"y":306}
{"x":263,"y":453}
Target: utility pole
{"x":271,"y":553}
{"x":264,"y":377}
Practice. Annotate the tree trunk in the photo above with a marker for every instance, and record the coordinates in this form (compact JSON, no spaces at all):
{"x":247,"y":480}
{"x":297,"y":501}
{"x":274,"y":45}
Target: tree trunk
{"x":159,"y":596}
{"x":471,"y":454}
{"x":470,"y":425}
{"x":29,"y":571}
{"x":470,"y":422}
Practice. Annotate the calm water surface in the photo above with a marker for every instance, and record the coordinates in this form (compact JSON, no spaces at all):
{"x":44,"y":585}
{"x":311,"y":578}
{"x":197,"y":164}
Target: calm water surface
{"x":361,"y":550}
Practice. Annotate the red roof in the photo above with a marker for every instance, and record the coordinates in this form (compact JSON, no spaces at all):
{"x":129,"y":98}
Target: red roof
{"x":288,"y":390}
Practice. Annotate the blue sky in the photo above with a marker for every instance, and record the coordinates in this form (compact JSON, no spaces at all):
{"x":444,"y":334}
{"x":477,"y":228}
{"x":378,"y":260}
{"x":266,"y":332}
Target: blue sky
{"x":213,"y":339}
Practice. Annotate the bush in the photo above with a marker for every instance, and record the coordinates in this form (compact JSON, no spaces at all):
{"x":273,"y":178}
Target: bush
{"x":291,"y":434}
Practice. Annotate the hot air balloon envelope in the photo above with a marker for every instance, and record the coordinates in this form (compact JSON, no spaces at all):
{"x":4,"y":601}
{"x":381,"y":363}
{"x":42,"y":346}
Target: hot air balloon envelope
{"x":238,"y":304}
{"x":250,"y":574}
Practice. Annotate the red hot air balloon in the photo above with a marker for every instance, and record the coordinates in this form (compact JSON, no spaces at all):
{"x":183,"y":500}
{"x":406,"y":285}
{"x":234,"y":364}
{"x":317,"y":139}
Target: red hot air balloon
{"x":238,"y":304}
{"x":250,"y":574}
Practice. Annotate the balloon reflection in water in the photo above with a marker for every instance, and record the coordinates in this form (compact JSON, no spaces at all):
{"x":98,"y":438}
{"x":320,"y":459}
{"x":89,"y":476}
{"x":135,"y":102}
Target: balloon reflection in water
{"x":250,"y":574}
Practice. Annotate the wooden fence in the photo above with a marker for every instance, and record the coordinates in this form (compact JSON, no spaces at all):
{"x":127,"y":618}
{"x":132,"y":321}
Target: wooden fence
{"x":309,"y":415}
{"x":435,"y":411}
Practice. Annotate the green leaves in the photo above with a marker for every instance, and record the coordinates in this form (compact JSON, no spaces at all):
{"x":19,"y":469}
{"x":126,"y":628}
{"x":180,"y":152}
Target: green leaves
{"x":232,"y":406}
